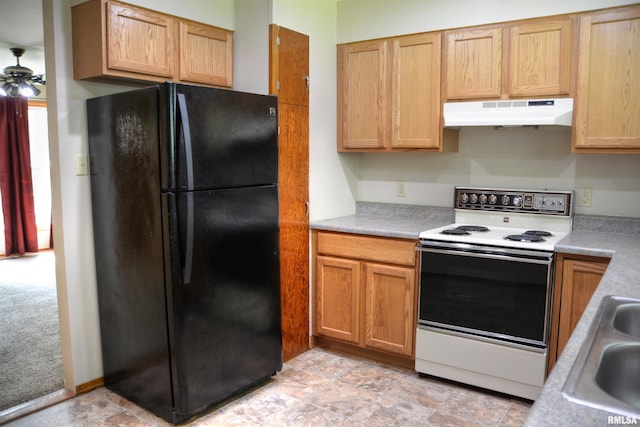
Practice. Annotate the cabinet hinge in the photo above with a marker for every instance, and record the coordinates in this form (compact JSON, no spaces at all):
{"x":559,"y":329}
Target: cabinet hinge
{"x":277,"y":40}
{"x":277,"y":84}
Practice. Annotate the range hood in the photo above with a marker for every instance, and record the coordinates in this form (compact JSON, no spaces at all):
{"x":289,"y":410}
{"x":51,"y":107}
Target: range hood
{"x":509,"y":113}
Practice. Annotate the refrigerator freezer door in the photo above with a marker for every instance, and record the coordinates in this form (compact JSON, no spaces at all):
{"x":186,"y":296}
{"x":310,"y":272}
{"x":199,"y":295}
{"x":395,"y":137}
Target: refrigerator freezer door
{"x":225,"y":322}
{"x":225,"y":139}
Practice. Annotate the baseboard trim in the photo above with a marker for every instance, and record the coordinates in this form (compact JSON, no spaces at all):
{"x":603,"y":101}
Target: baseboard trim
{"x":35,"y":405}
{"x":91,"y":385}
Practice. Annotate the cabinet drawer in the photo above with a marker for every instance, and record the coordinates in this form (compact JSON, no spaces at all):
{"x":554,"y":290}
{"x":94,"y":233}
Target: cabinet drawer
{"x":381,"y":249}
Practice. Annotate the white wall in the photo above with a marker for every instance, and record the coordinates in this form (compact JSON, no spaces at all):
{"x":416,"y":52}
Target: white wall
{"x":72,"y":223}
{"x":513,"y":158}
{"x":369,"y":19}
{"x":332,"y":178}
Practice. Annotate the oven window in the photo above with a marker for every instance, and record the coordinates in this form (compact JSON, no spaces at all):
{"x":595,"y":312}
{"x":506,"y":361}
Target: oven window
{"x":501,"y":297}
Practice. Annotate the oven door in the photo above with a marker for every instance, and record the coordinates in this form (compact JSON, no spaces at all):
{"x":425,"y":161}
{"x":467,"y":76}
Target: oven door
{"x":488,"y":292}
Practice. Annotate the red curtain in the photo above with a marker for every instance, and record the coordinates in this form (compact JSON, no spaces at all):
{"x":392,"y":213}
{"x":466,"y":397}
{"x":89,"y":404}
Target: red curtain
{"x":20,"y":232}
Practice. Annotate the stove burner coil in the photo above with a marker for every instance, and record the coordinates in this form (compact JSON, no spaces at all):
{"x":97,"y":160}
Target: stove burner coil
{"x":472,"y":228}
{"x":531,"y":238}
{"x":455,"y":232}
{"x":540,"y":233}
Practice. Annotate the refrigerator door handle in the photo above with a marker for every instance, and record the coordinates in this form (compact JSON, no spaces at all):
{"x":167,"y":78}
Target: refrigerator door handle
{"x":186,"y":131}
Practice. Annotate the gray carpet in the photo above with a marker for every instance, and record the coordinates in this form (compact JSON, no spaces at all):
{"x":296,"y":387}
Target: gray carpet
{"x":30,"y":358}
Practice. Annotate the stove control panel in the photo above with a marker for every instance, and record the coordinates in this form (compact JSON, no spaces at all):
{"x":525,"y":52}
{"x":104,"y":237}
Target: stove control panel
{"x":523,"y":201}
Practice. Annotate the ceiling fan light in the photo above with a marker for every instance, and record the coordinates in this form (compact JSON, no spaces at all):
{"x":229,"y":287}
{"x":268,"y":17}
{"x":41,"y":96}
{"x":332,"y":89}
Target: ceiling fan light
{"x":28,"y":89}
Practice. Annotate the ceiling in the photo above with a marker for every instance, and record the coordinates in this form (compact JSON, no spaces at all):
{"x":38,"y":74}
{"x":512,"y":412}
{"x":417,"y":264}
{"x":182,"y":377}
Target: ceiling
{"x":21,"y":26}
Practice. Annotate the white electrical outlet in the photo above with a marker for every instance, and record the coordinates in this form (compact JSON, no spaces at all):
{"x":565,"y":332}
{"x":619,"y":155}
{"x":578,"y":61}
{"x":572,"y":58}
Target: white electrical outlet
{"x":82,"y":164}
{"x":401,"y":189}
{"x":584,"y":197}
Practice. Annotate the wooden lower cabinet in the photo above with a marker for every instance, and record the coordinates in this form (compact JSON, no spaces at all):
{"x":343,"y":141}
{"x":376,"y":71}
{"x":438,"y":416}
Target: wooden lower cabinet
{"x":365,"y":294}
{"x":577,"y":278}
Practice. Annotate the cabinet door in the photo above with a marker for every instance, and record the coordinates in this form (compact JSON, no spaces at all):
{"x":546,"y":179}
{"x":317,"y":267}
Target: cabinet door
{"x":540,"y":58}
{"x":389,"y":308}
{"x":338,"y":298}
{"x":579,"y":281}
{"x":607,"y":104}
{"x":473,"y":60}
{"x":205,"y":54}
{"x":139,"y":40}
{"x":415,"y":110}
{"x":362,"y":95}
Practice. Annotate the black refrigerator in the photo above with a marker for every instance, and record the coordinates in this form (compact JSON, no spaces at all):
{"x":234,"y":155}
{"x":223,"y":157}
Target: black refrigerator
{"x":186,"y":228}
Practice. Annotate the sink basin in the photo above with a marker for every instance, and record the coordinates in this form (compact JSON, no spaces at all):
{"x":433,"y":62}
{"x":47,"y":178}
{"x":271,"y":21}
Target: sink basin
{"x":606,"y":372}
{"x":618,"y":372}
{"x":627,"y":319}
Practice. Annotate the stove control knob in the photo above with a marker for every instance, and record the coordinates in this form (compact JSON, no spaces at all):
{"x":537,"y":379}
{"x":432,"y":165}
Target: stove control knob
{"x":493,"y":199}
{"x":517,"y":200}
{"x":474,"y":198}
{"x":505,"y":200}
{"x":464,"y":198}
{"x":483,"y":198}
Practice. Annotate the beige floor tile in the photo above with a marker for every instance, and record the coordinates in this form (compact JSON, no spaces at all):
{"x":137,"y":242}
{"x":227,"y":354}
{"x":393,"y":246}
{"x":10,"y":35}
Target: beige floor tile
{"x":318,"y":388}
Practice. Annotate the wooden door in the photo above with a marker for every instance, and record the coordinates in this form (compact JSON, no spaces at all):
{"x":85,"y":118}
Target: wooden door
{"x":140,"y":40}
{"x":472,"y":63}
{"x":607,"y":103}
{"x":389,"y":306}
{"x":338,"y":298}
{"x":206,"y":54}
{"x":415,"y":93}
{"x":539,"y":57}
{"x":289,"y":79}
{"x":362,"y":95}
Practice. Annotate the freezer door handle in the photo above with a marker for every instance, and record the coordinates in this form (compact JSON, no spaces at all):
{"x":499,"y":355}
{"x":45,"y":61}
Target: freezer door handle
{"x":186,"y":131}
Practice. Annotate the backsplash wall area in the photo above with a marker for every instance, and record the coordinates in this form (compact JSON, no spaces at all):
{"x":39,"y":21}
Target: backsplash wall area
{"x":513,"y":158}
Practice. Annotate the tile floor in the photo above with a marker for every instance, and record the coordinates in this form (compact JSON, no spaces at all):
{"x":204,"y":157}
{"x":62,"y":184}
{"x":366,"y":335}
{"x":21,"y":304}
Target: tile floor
{"x":317,"y":388}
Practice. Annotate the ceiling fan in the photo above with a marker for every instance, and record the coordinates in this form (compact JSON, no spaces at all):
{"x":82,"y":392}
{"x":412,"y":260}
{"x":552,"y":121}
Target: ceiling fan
{"x":18,"y":80}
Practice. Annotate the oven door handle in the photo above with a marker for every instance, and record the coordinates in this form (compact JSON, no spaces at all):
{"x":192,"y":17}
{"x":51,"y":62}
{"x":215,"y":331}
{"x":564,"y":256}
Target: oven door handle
{"x":528,"y":256}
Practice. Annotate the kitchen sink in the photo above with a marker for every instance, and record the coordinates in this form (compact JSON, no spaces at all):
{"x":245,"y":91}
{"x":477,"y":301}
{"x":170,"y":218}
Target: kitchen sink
{"x":627,"y":319}
{"x":606,"y":372}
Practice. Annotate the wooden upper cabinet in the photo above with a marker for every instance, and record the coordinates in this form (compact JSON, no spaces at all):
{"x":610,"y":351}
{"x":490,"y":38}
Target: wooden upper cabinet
{"x":607,"y":103}
{"x":362,"y":95}
{"x":415,"y":91}
{"x":139,"y":40}
{"x":389,"y":95}
{"x":118,"y":40}
{"x":523,"y":59}
{"x":206,"y":54}
{"x":539,"y":57}
{"x":473,"y":63}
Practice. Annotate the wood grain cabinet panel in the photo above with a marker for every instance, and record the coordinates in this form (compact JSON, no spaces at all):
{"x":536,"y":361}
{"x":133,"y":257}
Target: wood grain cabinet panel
{"x":530,"y":58}
{"x":415,"y":92}
{"x":362,"y":95}
{"x":338,"y":298}
{"x":115,"y":40}
{"x":539,"y":58}
{"x":577,"y":278}
{"x":389,"y":308}
{"x":139,"y":40}
{"x":365,"y":292}
{"x":473,"y":61}
{"x":205,"y":54}
{"x":607,"y":104}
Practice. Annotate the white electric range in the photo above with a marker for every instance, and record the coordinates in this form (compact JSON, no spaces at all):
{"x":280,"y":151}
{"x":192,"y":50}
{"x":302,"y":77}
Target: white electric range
{"x":486,"y":288}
